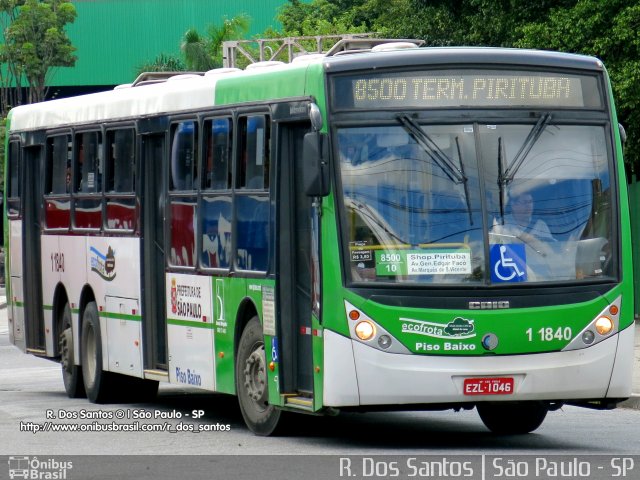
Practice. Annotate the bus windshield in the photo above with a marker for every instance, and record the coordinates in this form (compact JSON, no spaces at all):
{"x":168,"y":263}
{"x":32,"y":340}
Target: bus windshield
{"x":477,"y":203}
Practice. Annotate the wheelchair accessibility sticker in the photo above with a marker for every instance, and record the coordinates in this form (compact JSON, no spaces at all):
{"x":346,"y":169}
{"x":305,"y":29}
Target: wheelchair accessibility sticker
{"x":508,"y":263}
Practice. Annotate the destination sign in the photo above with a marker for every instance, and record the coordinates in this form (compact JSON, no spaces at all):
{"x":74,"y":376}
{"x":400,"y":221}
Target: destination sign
{"x":466,"y":89}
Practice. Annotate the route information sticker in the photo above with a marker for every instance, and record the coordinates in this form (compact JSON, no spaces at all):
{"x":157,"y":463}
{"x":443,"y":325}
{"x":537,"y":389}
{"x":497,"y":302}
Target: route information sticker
{"x":423,"y":262}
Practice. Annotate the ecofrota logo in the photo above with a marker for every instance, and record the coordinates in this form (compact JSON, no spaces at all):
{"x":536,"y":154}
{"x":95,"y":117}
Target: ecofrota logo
{"x":34,"y":468}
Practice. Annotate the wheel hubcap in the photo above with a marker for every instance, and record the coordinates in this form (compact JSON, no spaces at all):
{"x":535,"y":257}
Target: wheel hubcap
{"x":255,"y":378}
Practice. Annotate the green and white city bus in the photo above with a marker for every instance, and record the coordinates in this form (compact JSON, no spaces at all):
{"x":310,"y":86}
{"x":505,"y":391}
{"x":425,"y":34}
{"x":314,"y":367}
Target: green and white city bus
{"x":400,"y":228}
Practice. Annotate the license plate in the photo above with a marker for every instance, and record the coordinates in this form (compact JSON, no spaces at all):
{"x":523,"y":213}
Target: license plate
{"x":488,"y":386}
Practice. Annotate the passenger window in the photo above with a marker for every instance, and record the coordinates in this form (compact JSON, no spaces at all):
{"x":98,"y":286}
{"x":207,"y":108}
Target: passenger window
{"x":216,"y":222}
{"x":120,"y":183}
{"x":252,"y":229}
{"x":217,"y":153}
{"x":88,"y":175}
{"x":254,"y":151}
{"x":184,"y":156}
{"x":184,"y":216}
{"x":58,"y":181}
{"x":13,"y":191}
{"x":58,"y":169}
{"x":121,"y":161}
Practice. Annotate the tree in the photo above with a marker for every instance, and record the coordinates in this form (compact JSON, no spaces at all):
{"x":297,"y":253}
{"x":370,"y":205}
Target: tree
{"x":608,"y":30}
{"x":36,"y":43}
{"x":204,"y":53}
{"x":10,"y":94}
{"x":323,"y":17}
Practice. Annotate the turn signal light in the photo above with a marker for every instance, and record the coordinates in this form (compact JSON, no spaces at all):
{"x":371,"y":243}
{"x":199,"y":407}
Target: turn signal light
{"x":354,"y":314}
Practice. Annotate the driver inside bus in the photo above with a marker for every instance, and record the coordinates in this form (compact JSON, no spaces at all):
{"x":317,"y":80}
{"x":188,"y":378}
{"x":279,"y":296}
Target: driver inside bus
{"x":520,"y":222}
{"x":521,"y":226}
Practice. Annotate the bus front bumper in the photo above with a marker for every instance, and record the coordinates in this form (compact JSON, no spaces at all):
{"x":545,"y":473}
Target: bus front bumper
{"x":358,"y":375}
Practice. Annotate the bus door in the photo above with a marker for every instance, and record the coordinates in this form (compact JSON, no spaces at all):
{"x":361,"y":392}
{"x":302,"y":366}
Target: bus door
{"x":294,"y":264}
{"x":13,"y":256}
{"x":31,"y":266}
{"x":153,"y":165}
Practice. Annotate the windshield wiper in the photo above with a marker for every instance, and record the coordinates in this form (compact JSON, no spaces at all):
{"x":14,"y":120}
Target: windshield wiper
{"x":526,"y":147}
{"x":501,"y":181}
{"x":431,"y":148}
{"x":466,"y":184}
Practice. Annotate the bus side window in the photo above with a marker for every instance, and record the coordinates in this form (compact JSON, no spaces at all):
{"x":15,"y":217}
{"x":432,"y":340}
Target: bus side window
{"x":87,"y":211}
{"x":217,"y":154}
{"x":252,"y":232}
{"x":121,"y":163}
{"x":88,"y":163}
{"x":252,"y":221}
{"x":216,"y":206}
{"x":13,"y":187}
{"x":255,"y":152}
{"x":120,"y":180}
{"x":58,"y":177}
{"x":184,"y":156}
{"x":183,"y":205}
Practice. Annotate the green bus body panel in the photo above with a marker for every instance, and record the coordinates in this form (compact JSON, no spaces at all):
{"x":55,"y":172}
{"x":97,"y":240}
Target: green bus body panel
{"x":235,"y":292}
{"x":460,"y":332}
{"x":115,"y":37}
{"x":629,"y":232}
{"x":274,"y":84}
{"x":634,"y":199}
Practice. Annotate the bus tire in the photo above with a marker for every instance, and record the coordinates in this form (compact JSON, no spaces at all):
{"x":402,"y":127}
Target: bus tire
{"x":71,"y":373}
{"x":251,"y":382}
{"x":96,"y":380}
{"x":506,"y":418}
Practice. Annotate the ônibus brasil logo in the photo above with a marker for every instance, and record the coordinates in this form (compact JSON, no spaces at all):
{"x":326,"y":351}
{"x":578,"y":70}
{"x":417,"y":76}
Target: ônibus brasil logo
{"x":103,"y":264}
{"x":34,"y":468}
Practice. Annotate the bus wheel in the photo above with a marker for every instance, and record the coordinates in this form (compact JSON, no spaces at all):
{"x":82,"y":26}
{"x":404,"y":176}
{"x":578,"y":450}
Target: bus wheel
{"x":95,"y":378}
{"x":251,"y":382}
{"x":512,"y":418}
{"x":71,"y":374}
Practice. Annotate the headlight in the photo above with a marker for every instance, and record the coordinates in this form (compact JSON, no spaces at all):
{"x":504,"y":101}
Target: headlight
{"x":604,"y":325}
{"x":365,"y":330}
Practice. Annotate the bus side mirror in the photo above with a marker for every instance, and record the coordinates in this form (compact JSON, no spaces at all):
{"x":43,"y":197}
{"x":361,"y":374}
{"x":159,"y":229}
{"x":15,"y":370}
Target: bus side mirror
{"x":623,"y":134}
{"x":315,"y":169}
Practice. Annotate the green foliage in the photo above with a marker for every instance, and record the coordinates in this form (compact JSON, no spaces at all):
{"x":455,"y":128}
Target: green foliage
{"x":323,"y":17}
{"x":163,"y":63}
{"x":204,"y":53}
{"x":35,"y":41}
{"x":200,"y":52}
{"x":607,"y":29}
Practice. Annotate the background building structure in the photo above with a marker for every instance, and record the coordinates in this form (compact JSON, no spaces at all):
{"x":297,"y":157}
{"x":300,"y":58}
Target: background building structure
{"x":114,"y":38}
